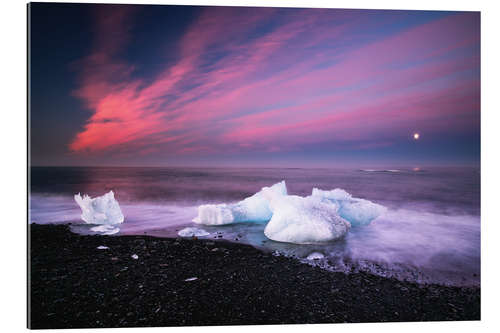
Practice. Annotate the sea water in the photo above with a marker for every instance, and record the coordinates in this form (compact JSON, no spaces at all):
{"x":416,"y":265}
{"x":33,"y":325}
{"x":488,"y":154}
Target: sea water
{"x":430,"y":232}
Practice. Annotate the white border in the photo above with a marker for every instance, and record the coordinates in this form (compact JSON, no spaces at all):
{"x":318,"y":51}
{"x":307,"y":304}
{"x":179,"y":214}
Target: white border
{"x":13,"y":151}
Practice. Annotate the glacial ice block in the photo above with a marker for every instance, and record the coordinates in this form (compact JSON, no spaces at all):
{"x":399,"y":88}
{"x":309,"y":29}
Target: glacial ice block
{"x":304,"y":220}
{"x":105,"y":229}
{"x":191,"y":232}
{"x":214,"y":214}
{"x":100,"y":210}
{"x":357,"y":211}
{"x":252,"y":209}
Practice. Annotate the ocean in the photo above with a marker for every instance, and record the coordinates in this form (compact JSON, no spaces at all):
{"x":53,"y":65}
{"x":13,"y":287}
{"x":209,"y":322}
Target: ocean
{"x":429,"y":234}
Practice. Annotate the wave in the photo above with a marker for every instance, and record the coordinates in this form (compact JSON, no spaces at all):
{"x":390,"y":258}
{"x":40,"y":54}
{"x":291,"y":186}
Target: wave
{"x":382,"y":170}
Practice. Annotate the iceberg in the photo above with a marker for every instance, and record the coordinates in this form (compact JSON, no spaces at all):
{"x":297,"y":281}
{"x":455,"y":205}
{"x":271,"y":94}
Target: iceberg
{"x":321,"y":217}
{"x":252,"y":209}
{"x":357,"y":211}
{"x":100,"y":210}
{"x":193,"y":232}
{"x":306,"y":220}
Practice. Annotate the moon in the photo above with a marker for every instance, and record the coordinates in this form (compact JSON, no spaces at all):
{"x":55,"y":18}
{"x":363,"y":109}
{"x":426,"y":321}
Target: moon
{"x":416,"y":136}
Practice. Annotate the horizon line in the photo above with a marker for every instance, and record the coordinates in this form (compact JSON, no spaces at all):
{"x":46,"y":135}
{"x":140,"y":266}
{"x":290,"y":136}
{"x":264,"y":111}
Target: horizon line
{"x":358,"y":167}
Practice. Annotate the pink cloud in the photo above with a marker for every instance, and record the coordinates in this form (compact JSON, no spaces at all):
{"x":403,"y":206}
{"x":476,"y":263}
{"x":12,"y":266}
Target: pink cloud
{"x":279,"y":90}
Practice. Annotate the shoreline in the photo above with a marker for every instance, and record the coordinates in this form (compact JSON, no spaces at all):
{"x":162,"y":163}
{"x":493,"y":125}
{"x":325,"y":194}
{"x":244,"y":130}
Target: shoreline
{"x":188,"y":282}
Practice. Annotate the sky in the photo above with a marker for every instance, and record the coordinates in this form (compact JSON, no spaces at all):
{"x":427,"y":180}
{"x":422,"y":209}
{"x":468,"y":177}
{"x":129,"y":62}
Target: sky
{"x":165,"y":85}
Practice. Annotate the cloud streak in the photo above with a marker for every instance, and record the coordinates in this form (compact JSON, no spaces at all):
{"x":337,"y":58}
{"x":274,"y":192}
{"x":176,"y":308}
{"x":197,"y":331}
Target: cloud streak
{"x":266,"y":80}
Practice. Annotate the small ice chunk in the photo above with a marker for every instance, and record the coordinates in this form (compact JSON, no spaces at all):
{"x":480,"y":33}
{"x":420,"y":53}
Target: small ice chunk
{"x":193,"y":232}
{"x":252,"y":209}
{"x":105,"y":229}
{"x":102,"y":247}
{"x":100,"y":210}
{"x":356,"y":211}
{"x":315,"y":256}
{"x":191,"y":279}
{"x":304,"y":220}
{"x":135,"y":256}
{"x":214,"y":214}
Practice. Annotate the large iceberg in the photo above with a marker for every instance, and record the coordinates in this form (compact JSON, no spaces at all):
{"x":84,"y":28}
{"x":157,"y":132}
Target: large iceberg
{"x":304,"y":220}
{"x":321,"y":217}
{"x":252,"y":209}
{"x":100,"y":210}
{"x":357,"y":211}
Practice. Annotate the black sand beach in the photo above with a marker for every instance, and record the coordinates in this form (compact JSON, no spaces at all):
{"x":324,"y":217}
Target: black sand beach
{"x":185,"y":282}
